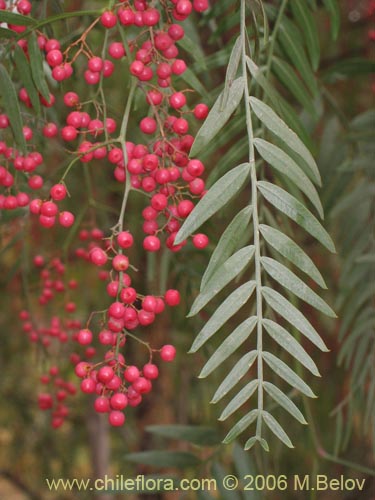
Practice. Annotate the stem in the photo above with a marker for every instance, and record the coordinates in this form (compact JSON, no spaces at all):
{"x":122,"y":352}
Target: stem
{"x":122,"y":140}
{"x":254,"y":198}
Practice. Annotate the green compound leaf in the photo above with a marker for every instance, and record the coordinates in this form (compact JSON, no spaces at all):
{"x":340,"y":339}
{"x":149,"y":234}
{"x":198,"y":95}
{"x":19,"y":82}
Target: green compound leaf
{"x":37,"y":69}
{"x":291,"y":251}
{"x":156,"y":458}
{"x":291,"y":282}
{"x":216,"y":198}
{"x":290,"y":344}
{"x":284,"y":164}
{"x":230,"y":344}
{"x":218,"y":116}
{"x":226,"y":310}
{"x":270,"y":119}
{"x":303,"y":16}
{"x":240,"y":426}
{"x":235,"y":375}
{"x":284,"y":401}
{"x":296,"y":211}
{"x":289,"y":312}
{"x":286,"y":373}
{"x":228,"y":271}
{"x":12,"y":107}
{"x":276,"y":428}
{"x":228,"y":243}
{"x":240,"y":398}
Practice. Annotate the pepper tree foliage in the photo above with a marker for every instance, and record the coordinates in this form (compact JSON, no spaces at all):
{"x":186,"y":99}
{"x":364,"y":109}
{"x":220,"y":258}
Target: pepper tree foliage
{"x":263,"y":115}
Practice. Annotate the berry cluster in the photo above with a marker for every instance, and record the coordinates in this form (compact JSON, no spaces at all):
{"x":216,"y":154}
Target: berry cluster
{"x":58,"y":391}
{"x":142,"y":36}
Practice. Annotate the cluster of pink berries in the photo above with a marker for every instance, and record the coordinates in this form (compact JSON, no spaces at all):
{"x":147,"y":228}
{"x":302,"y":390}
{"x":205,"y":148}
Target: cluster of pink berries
{"x":117,"y":384}
{"x":160,"y":166}
{"x":13,"y":161}
{"x":58,"y":391}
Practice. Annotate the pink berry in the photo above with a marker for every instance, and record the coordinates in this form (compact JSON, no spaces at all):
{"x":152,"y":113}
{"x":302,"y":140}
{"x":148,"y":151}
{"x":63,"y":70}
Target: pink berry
{"x":58,"y":192}
{"x":200,"y":240}
{"x":119,"y":401}
{"x":105,"y":374}
{"x":148,"y":125}
{"x":151,"y":243}
{"x":120,"y":262}
{"x":172,"y":297}
{"x":84,"y":337}
{"x":125,"y":239}
{"x":131,"y":374}
{"x":201,"y":111}
{"x":66,"y":219}
{"x":98,"y":256}
{"x":116,"y":418}
{"x":108,"y":19}
{"x":101,"y":404}
{"x":150,"y":371}
{"x":177,"y":100}
{"x":167,"y":353}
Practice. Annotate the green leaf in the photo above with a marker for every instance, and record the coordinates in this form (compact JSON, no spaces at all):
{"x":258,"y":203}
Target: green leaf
{"x":287,"y":310}
{"x":306,"y":21}
{"x":290,"y":281}
{"x":226,"y":310}
{"x":351,"y":67}
{"x":296,"y":211}
{"x":12,"y":107}
{"x":156,"y":458}
{"x":230,"y":344}
{"x":16,"y":19}
{"x":284,"y":164}
{"x":270,"y":119}
{"x":290,"y":344}
{"x":276,"y":428}
{"x":5,"y":33}
{"x":218,"y":116}
{"x":193,"y":49}
{"x":290,"y":39}
{"x":198,"y":435}
{"x":286,"y":74}
{"x":37,"y":69}
{"x":232,"y":68}
{"x":215,"y":199}
{"x":229,"y":270}
{"x":240,"y":426}
{"x":334,"y":9}
{"x":24,"y":72}
{"x":284,"y":401}
{"x":234,"y":376}
{"x":240,"y":398}
{"x":291,"y":251}
{"x":193,"y":81}
{"x":286,"y":373}
{"x":283,"y":108}
{"x":228,"y":243}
